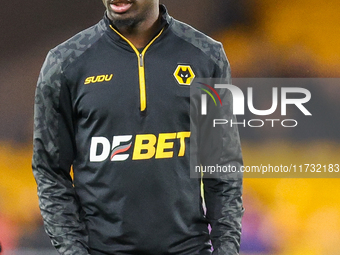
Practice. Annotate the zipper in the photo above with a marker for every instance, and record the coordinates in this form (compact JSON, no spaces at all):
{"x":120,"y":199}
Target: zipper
{"x":141,"y":64}
{"x":141,"y":67}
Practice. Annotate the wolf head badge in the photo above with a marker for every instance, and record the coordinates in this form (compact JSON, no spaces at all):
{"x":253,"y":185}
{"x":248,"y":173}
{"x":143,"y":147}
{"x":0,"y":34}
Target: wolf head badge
{"x":184,"y":74}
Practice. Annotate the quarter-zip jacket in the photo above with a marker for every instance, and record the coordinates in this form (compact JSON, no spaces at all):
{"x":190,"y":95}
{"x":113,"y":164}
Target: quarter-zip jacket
{"x":119,"y":117}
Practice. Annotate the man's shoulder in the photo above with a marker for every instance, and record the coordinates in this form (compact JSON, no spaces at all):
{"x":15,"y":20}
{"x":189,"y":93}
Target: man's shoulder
{"x":210,"y":47}
{"x":194,"y":36}
{"x":79,"y":43}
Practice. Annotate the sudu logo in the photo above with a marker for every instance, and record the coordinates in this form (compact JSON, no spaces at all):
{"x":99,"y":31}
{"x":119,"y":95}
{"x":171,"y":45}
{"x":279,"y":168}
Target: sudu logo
{"x":98,"y":78}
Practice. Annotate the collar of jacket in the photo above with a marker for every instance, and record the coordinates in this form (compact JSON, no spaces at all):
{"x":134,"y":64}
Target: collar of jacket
{"x":165,"y":22}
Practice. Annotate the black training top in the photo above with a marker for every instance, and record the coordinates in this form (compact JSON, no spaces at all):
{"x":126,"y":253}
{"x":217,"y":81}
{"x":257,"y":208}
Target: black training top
{"x":120,"y":117}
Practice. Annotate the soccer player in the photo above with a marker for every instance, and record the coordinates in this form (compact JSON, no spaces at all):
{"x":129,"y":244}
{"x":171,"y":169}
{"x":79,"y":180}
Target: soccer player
{"x":113,"y":103}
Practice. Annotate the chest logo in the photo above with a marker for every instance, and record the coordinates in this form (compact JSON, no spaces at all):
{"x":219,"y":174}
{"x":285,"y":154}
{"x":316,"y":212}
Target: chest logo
{"x":184,"y":75}
{"x":98,"y":78}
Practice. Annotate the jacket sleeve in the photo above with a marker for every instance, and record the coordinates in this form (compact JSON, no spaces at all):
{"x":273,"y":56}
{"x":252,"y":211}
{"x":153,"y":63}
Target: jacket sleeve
{"x":220,"y":146}
{"x":53,"y":154}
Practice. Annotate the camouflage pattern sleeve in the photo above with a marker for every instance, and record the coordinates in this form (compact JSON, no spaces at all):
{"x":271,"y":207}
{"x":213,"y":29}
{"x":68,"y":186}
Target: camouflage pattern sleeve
{"x":223,"y":192}
{"x":52,"y":158}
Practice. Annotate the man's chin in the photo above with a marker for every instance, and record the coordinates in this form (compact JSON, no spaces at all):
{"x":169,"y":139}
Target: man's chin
{"x":123,"y":19}
{"x":123,"y":22}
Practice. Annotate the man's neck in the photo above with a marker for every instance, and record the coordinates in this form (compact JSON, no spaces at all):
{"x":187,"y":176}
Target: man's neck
{"x":142,"y":33}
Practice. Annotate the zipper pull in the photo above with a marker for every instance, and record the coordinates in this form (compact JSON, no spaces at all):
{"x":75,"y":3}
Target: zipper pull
{"x":140,"y":59}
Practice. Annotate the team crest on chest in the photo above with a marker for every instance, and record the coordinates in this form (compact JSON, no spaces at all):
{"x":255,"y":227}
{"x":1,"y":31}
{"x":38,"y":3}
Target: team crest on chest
{"x":184,"y":75}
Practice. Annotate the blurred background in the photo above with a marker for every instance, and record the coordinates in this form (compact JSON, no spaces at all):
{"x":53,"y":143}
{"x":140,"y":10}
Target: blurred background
{"x":262,"y":38}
